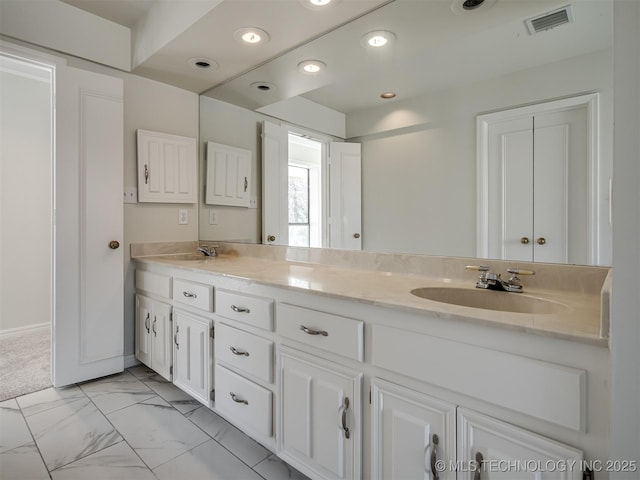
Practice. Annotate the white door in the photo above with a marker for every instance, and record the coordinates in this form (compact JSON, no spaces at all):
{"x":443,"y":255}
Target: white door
{"x":539,"y":192}
{"x":411,"y":432}
{"x":498,"y":450}
{"x":275,"y":207}
{"x":345,"y":196}
{"x":88,"y":280}
{"x":192,"y":354}
{"x":144,"y":319}
{"x":320,"y":418}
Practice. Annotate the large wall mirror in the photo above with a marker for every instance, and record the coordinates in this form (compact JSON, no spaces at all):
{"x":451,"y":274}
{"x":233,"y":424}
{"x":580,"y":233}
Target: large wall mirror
{"x":451,"y":69}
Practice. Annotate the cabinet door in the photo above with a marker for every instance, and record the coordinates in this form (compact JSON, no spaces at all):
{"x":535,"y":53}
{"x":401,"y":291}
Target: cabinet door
{"x":320,"y":427}
{"x":192,"y":355}
{"x":228,"y":175}
{"x":413,"y":434}
{"x":143,"y":329}
{"x":161,"y":339}
{"x":490,"y":449}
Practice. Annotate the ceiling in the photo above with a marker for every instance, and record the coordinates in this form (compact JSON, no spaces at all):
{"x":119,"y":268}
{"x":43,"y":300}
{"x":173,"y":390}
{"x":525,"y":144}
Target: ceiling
{"x":435,"y":46}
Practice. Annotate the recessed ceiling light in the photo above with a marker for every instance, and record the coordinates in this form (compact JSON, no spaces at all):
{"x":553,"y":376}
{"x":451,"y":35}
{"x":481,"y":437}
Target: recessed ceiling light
{"x":378,"y":38}
{"x":319,"y":4}
{"x":251,"y":35}
{"x":467,"y":6}
{"x":311,"y":66}
{"x":263,"y":86}
{"x":202,"y":63}
{"x":388,"y":95}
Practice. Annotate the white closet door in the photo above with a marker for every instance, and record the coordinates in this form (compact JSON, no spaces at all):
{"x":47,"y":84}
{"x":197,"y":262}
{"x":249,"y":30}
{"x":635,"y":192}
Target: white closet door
{"x":88,"y":284}
{"x":345,"y":189}
{"x":275,"y":161}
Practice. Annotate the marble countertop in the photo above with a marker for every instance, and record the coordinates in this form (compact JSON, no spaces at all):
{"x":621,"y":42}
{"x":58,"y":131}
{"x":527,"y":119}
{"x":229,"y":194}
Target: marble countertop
{"x":580,"y":319}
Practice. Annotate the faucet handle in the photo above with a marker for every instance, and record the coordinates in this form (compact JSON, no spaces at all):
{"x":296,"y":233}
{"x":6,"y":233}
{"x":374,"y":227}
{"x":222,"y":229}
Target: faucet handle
{"x":520,"y":271}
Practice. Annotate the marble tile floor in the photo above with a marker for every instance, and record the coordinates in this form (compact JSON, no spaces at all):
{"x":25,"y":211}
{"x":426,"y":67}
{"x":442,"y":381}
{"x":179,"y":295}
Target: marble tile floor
{"x":129,"y":426}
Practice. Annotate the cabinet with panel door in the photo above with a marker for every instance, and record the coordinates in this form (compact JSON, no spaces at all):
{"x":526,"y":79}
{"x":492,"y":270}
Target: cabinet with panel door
{"x":153,"y":334}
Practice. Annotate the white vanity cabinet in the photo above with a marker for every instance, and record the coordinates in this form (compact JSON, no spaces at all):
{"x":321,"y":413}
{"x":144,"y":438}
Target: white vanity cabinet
{"x":153,"y":333}
{"x":492,"y":449}
{"x":411,"y":433}
{"x":320,"y":422}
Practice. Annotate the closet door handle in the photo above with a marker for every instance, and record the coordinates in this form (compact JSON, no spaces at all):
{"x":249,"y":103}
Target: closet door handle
{"x":240,"y":353}
{"x":175,"y":337}
{"x":524,"y":240}
{"x":541,"y":241}
{"x":310,"y":331}
{"x":146,"y":322}
{"x":477,"y":475}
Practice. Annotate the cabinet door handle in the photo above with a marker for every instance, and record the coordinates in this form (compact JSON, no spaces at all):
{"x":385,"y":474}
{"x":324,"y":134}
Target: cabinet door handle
{"x":240,"y":309}
{"x":189,"y":295}
{"x":344,"y":408}
{"x":477,"y":475}
{"x":235,"y":398}
{"x":246,"y":184}
{"x":235,"y":351}
{"x":175,"y":337}
{"x":146,"y":174}
{"x":146,"y":322}
{"x":433,"y":457}
{"x":310,"y":331}
{"x":155,"y":333}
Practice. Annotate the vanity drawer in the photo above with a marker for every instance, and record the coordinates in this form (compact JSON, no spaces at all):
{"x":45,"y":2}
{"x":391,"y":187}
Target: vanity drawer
{"x":244,"y":401}
{"x":244,"y":351}
{"x":194,"y":294}
{"x":334,"y":333}
{"x":254,"y":311}
{"x":153,"y":283}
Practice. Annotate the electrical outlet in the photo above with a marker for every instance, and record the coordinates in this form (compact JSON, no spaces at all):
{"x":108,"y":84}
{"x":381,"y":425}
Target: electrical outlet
{"x":213,"y":217}
{"x":183,"y":217}
{"x":253,"y":202}
{"x":130,"y":195}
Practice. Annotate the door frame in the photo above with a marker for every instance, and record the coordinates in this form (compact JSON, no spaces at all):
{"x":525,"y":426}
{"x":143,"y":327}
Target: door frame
{"x":483,"y":121}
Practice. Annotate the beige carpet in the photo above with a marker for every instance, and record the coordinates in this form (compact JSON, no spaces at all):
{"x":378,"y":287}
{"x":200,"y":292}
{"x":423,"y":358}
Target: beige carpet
{"x":25,"y":362}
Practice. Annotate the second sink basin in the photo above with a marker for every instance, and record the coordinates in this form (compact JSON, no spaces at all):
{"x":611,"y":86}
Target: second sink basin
{"x":490,"y":300}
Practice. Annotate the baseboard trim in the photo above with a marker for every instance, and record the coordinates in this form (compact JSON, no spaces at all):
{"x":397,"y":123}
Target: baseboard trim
{"x":130,"y":361}
{"x":9,"y":331}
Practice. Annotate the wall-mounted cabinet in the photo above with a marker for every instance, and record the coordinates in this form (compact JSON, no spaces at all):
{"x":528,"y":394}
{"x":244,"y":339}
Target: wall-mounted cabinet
{"x":167,"y":168}
{"x":228,"y":175}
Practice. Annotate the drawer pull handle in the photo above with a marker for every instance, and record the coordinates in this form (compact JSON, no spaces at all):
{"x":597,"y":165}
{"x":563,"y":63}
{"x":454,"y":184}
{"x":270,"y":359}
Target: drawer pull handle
{"x":344,"y":409}
{"x":235,"y":351}
{"x":175,"y":337}
{"x":240,"y":309}
{"x":146,"y":322}
{"x":189,"y":295}
{"x":310,"y":331}
{"x":432,"y":455}
{"x":235,"y":398}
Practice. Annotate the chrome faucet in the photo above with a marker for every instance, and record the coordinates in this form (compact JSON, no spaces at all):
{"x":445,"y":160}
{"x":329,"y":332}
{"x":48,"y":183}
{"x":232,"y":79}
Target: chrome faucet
{"x":493,"y":281}
{"x":208,"y":250}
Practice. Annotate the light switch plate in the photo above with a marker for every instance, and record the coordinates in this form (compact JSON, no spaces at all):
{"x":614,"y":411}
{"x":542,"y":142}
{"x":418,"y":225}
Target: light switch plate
{"x":213,"y":217}
{"x":253,"y":202}
{"x":183,"y":217}
{"x":130,"y":195}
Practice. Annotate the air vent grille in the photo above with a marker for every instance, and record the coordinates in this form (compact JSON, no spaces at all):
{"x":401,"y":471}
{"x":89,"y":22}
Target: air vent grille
{"x":550,"y":20}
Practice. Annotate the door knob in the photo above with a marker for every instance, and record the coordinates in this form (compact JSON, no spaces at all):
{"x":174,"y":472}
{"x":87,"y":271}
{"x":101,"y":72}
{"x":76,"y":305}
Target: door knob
{"x":114,"y":244}
{"x":541,"y":241}
{"x":524,"y":240}
{"x":271,"y":238}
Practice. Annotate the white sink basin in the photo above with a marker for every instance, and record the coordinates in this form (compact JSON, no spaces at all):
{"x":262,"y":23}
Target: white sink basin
{"x":490,"y":300}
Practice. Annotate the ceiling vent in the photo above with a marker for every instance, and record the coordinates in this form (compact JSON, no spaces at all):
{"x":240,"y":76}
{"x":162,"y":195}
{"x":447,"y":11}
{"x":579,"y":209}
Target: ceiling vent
{"x":549,"y":20}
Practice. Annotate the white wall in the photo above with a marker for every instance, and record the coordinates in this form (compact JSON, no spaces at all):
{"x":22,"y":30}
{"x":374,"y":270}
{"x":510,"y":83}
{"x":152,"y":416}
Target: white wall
{"x":25,"y":200}
{"x":419,"y":156}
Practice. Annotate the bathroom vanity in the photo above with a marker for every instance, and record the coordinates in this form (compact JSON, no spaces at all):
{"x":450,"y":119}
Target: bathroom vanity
{"x":328,"y":358}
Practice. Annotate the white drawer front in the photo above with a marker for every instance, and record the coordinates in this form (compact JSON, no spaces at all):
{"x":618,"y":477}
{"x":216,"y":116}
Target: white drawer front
{"x":153,"y":283}
{"x":255,"y":311}
{"x":341,"y":335}
{"x":194,"y":294}
{"x":244,"y":401}
{"x":244,"y":351}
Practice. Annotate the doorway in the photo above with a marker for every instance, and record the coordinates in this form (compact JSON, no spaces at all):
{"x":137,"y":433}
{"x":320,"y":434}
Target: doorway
{"x":26,"y":206}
